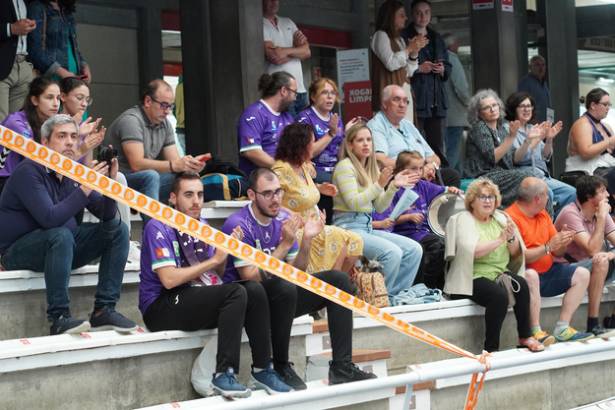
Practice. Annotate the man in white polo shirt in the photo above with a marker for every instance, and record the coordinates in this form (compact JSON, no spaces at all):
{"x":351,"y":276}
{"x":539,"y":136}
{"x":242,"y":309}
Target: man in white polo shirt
{"x":285,"y":47}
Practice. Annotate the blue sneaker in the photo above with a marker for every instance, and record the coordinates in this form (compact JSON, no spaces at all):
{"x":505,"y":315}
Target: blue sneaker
{"x":108,"y":319}
{"x":227,"y":385}
{"x":269,"y":380}
{"x":570,"y":334}
{"x":66,"y":324}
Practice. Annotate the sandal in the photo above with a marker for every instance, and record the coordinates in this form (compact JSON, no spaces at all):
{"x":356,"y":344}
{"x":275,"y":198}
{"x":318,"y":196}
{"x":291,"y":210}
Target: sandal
{"x":531,"y":344}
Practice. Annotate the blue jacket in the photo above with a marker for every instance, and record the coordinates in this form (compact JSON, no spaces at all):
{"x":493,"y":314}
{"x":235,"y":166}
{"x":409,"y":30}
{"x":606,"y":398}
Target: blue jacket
{"x":429,"y":92}
{"x":48,"y":43}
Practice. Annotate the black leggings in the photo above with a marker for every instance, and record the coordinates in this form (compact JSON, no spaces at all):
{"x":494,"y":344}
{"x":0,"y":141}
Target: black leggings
{"x":494,"y":298}
{"x":229,"y":307}
{"x":287,"y":301}
{"x":432,"y":262}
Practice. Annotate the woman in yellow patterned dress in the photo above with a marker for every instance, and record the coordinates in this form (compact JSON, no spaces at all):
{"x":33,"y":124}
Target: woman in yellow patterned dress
{"x":334,"y":248}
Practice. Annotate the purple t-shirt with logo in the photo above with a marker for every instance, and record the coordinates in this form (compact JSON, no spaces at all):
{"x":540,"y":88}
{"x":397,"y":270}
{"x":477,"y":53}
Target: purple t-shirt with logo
{"x":426,"y":191}
{"x":263,"y":237}
{"x":259,"y":128}
{"x":17,"y":122}
{"x":159,"y":248}
{"x":326,"y":160}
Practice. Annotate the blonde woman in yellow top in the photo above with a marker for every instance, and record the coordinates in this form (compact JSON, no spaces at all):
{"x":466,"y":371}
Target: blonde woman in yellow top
{"x":334,"y":248}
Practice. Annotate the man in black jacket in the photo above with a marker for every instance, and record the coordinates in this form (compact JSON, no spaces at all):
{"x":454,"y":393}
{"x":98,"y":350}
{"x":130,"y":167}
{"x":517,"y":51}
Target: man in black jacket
{"x":15,"y":71}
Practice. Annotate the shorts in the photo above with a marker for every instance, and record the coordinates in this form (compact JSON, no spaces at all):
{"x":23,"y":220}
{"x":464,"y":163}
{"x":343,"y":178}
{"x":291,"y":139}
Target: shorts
{"x":556,"y":280}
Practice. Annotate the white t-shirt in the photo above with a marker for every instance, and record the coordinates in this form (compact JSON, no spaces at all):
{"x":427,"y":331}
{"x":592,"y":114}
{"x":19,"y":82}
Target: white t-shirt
{"x":282,"y":36}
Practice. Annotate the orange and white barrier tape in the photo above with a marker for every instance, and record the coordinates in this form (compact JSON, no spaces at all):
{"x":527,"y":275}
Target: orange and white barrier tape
{"x":155,"y":209}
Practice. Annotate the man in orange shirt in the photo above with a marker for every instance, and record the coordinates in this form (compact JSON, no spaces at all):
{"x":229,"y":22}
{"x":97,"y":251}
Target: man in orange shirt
{"x":542,"y":241}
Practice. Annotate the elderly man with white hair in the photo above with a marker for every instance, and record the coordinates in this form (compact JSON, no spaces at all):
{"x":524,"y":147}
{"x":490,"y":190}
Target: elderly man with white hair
{"x":393,"y":133}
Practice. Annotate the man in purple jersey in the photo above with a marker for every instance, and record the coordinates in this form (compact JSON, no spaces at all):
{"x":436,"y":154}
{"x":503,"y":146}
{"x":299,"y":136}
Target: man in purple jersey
{"x":180,"y":288}
{"x":263,"y":227}
{"x":261,"y":124}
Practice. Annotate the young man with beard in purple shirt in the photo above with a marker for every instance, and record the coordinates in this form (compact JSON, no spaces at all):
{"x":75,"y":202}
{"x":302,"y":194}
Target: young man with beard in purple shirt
{"x":181,"y":288}
{"x":264,"y":226}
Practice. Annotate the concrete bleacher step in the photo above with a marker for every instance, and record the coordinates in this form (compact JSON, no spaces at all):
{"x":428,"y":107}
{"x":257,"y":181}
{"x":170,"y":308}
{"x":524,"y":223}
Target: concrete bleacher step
{"x":23,"y":302}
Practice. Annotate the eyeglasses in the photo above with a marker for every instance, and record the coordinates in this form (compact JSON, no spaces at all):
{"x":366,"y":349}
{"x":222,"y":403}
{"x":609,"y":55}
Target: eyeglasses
{"x":80,"y":97}
{"x":486,"y":198}
{"x":328,"y":93}
{"x":291,"y":90}
{"x":268,"y":195}
{"x":492,"y":107}
{"x":397,"y":100}
{"x":525,"y":106}
{"x":164,"y":105}
{"x":606,"y":104}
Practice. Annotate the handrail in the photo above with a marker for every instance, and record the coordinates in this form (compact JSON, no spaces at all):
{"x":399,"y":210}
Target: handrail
{"x":420,"y":373}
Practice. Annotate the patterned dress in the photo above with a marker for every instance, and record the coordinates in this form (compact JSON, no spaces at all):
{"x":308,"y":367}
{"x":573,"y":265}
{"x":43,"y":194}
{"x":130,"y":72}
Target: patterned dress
{"x":480,"y":161}
{"x":301,"y":197}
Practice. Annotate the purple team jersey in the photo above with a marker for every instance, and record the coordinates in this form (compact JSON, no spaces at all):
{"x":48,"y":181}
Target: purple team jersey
{"x":259,"y":128}
{"x":327,"y":159}
{"x":263,"y":237}
{"x":17,"y":122}
{"x":159,"y":248}
{"x":426,"y":191}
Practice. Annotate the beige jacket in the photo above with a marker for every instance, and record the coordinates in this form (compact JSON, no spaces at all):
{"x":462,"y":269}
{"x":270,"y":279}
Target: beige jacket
{"x":460,"y":243}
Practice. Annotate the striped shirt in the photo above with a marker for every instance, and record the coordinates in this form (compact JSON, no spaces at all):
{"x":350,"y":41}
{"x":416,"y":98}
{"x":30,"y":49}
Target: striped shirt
{"x":353,"y":197}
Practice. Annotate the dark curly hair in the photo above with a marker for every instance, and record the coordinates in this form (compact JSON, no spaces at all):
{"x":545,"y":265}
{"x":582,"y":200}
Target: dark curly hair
{"x":293,"y":143}
{"x":513,"y":102}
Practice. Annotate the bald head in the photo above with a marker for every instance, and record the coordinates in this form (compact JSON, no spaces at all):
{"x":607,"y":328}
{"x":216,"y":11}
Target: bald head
{"x":530,"y":188}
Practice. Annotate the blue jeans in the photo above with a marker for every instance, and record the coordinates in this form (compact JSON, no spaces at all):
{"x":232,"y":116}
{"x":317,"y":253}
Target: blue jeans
{"x":452,"y":140}
{"x":57,"y":251}
{"x":399,"y":256}
{"x":300,"y":103}
{"x":561,"y":194}
{"x":153,"y":184}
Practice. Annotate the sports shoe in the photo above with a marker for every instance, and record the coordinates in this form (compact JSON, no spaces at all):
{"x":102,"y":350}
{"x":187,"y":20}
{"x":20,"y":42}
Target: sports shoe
{"x":609,"y":322}
{"x":269,"y":380}
{"x":570,"y":334}
{"x":108,"y":319}
{"x":347,"y":372}
{"x":544,"y":338}
{"x":599,"y":331}
{"x":227,"y":385}
{"x":68,"y":325}
{"x":289,"y":376}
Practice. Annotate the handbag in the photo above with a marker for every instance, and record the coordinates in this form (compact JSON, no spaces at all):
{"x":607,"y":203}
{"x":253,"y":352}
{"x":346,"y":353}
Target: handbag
{"x":369,"y":280}
{"x":508,"y":282}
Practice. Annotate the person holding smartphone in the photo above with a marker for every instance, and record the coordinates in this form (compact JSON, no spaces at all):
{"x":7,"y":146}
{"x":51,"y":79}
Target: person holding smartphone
{"x":428,"y":80}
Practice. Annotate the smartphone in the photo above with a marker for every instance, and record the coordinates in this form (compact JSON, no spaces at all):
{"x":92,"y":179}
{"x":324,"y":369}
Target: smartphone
{"x":203,"y":157}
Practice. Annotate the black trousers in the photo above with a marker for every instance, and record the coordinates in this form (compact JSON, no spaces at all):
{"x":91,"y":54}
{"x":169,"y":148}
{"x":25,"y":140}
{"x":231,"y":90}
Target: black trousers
{"x":432,"y":262}
{"x":281,"y":296}
{"x":229,"y":307}
{"x":2,"y":183}
{"x":494,"y":298}
{"x":433,"y":130}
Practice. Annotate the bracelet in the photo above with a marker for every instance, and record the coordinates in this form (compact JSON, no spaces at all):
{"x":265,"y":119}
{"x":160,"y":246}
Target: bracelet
{"x":413,"y":58}
{"x":547,"y":250}
{"x":171,"y":166}
{"x":511,"y":239}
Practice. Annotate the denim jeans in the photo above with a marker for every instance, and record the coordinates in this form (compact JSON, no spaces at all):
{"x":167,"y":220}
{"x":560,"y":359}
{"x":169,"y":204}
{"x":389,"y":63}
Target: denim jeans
{"x":399,"y":256}
{"x":560,"y":193}
{"x":153,"y":184}
{"x":300,"y":103}
{"x":57,"y":251}
{"x":452,"y":145}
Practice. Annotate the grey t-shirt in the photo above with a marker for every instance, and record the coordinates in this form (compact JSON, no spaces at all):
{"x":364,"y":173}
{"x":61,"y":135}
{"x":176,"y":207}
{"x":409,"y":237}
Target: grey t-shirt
{"x":133,"y":125}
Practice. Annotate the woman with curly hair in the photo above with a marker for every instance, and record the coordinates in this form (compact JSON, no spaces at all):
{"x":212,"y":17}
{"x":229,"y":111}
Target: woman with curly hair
{"x":334,"y":248}
{"x":53,"y":44}
{"x":489,"y":148}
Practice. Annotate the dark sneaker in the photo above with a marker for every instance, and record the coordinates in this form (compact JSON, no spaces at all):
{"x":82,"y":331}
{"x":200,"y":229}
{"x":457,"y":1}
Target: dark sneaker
{"x":289,"y":376}
{"x":609,"y":322}
{"x":68,"y":325}
{"x":269,"y":380}
{"x":599,"y":331}
{"x":347,"y":372}
{"x":227,"y":385}
{"x":109,"y":319}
